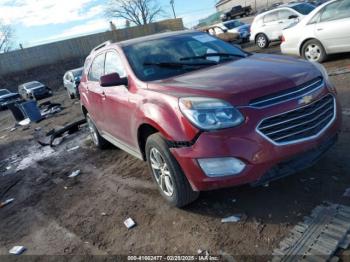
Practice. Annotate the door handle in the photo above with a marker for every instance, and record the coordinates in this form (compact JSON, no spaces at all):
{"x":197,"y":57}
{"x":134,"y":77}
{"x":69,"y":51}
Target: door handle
{"x":319,"y":29}
{"x":103,"y":94}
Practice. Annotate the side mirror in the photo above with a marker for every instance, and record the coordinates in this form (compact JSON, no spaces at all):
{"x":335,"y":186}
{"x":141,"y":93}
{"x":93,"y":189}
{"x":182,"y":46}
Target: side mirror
{"x":113,"y":80}
{"x":293,"y":17}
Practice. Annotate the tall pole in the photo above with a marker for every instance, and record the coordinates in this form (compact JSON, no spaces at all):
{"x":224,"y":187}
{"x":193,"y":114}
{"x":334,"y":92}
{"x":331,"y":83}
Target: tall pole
{"x":173,"y":7}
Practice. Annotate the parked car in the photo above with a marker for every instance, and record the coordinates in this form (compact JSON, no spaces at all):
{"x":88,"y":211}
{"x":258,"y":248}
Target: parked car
{"x":71,"y":81}
{"x":238,"y":27}
{"x":34,"y":90}
{"x":324,"y":31}
{"x":267,"y":27}
{"x":221,"y":33}
{"x":7,"y":97}
{"x":236,"y":11}
{"x":204,"y":123}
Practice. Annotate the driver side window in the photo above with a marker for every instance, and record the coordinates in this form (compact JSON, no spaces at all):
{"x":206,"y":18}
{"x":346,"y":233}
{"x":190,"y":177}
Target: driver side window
{"x":114,"y":64}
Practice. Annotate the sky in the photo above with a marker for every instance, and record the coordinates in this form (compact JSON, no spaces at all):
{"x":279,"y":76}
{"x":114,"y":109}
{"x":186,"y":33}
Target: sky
{"x":41,"y":21}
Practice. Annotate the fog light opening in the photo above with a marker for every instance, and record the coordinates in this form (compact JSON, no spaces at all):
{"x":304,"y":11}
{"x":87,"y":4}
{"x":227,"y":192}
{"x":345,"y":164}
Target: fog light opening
{"x":217,"y":167}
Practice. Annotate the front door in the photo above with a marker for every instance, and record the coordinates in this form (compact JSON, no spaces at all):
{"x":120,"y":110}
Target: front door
{"x":116,"y":106}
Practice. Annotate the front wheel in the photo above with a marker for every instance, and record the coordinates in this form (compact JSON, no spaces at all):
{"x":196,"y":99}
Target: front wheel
{"x":262,"y":41}
{"x":172,"y":182}
{"x":314,"y":51}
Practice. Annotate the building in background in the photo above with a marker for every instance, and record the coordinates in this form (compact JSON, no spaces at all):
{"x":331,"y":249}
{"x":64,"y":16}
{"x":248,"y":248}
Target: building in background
{"x":226,"y":5}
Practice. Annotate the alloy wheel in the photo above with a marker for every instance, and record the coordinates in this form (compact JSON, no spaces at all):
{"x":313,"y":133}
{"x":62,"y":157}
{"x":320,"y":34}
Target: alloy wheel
{"x":313,"y":52}
{"x":261,"y":41}
{"x":93,"y":132}
{"x":161,"y":172}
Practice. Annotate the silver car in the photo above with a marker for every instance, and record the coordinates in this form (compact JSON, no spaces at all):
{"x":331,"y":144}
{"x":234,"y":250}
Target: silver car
{"x":71,"y":81}
{"x":326,"y":30}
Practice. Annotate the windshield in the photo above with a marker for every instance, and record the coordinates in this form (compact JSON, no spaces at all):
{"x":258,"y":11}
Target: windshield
{"x":303,"y":9}
{"x":32,"y":85}
{"x":168,"y":57}
{"x":232,"y":24}
{"x":4,"y":92}
{"x":77,"y":72}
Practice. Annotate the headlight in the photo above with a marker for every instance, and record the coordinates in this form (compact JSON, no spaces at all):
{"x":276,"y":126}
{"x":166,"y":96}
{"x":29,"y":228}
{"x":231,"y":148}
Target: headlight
{"x":325,"y":75}
{"x":210,"y":113}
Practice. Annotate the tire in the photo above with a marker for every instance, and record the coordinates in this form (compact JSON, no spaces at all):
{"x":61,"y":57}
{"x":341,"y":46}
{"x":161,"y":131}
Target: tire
{"x":98,"y":140}
{"x":175,"y":187}
{"x":314,"y":51}
{"x":71,"y":96}
{"x":262,"y":41}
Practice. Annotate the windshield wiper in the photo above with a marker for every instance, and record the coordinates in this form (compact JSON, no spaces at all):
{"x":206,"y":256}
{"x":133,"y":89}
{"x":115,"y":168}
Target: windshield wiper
{"x":212,"y":55}
{"x":179,"y":65}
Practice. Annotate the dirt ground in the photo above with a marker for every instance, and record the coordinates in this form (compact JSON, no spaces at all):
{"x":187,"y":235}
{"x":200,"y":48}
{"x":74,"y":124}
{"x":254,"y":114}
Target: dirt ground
{"x":56,"y":215}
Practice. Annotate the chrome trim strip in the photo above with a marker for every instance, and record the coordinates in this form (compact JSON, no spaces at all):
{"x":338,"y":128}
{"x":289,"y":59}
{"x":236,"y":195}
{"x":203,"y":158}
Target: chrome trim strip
{"x":299,"y":124}
{"x":295,"y":118}
{"x":254,"y":105}
{"x":301,"y":131}
{"x":303,"y":139}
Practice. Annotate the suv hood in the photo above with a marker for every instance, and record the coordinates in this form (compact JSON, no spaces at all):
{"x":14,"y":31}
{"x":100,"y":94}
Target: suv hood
{"x":242,"y":80}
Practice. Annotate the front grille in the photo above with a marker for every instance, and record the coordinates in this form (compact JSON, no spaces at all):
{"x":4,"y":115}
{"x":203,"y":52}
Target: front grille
{"x":289,"y":94}
{"x":301,"y":123}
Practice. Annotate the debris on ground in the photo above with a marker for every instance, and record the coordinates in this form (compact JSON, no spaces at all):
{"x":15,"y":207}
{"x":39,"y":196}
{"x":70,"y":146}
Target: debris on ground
{"x":321,"y":234}
{"x":74,"y":174}
{"x":73,"y":148}
{"x":129,"y":223}
{"x":54,"y":134}
{"x":31,"y":111}
{"x":17,"y":250}
{"x":6,"y":202}
{"x":231,"y":219}
{"x":346,"y":111}
{"x":24,"y":122}
{"x":48,"y":109}
{"x":13,"y":129}
{"x":103,"y":214}
{"x":37,"y":129}
{"x":340,"y":71}
{"x":347,"y":193}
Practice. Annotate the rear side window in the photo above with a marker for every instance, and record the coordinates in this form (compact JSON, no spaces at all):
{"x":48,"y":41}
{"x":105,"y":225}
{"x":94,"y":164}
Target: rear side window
{"x":97,"y":68}
{"x":336,"y":10}
{"x":284,"y":14}
{"x":271,"y":17}
{"x":114,"y":64}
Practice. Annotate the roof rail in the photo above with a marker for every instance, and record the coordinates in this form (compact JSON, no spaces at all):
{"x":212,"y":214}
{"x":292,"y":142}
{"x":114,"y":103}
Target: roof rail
{"x":101,"y":46}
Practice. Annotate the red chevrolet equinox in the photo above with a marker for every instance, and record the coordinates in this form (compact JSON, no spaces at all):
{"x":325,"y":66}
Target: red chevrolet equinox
{"x":205,"y":114}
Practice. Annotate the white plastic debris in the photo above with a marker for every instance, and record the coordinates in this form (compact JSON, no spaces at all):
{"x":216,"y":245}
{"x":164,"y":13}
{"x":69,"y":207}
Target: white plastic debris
{"x":103,"y":214}
{"x":5,"y":203}
{"x":73,"y":148}
{"x":74,"y":174}
{"x":24,"y":122}
{"x":347,"y":193}
{"x":231,"y":219}
{"x":129,"y":223}
{"x":13,"y":129}
{"x":17,"y":250}
{"x":199,"y":251}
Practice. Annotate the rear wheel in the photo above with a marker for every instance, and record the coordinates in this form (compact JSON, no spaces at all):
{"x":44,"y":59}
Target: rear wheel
{"x":98,"y":140}
{"x":262,"y":41}
{"x":314,"y":51}
{"x":172,"y":182}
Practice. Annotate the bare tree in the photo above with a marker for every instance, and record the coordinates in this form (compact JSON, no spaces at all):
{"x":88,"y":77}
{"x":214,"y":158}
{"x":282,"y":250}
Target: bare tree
{"x":138,"y":12}
{"x":6,"y":37}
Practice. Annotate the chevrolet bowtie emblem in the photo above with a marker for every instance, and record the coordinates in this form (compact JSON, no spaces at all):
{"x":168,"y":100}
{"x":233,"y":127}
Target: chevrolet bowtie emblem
{"x":305,"y":100}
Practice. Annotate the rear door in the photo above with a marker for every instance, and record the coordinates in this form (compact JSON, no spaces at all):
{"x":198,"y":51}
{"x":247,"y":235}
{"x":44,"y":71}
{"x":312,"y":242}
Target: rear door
{"x":94,"y":91}
{"x":333,"y":29}
{"x":117,"y":107}
{"x":271,"y":26}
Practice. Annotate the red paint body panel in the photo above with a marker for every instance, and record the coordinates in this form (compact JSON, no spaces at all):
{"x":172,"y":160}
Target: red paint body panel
{"x":121,"y":111}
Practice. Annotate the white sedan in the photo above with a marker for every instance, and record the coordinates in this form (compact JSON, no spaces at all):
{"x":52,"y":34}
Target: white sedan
{"x":326,"y":30}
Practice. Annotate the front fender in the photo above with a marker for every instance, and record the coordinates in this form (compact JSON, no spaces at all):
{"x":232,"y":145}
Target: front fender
{"x":164,"y":115}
